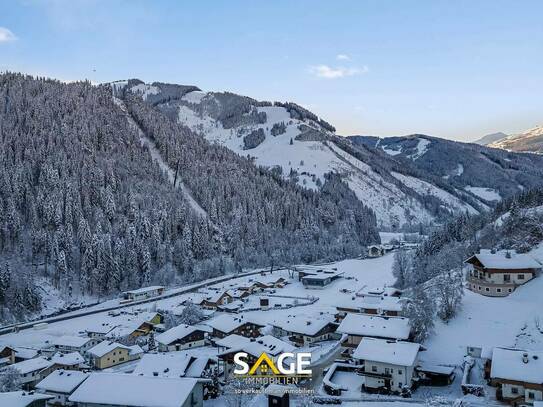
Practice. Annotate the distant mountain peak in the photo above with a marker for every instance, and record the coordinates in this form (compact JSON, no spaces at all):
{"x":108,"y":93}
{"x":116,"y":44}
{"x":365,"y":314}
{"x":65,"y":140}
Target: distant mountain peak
{"x":491,"y":138}
{"x":530,"y":141}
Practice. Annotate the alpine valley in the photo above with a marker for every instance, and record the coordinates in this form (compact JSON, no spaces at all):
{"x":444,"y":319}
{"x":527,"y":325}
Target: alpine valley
{"x":116,"y":186}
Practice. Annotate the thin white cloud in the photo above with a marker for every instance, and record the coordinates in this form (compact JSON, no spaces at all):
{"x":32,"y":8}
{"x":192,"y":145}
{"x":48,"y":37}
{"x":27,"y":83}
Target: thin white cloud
{"x":330,"y":72}
{"x":343,"y":57}
{"x":6,"y":35}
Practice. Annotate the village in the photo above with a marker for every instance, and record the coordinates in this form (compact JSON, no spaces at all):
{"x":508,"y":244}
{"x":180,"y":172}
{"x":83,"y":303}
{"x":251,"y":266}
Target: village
{"x":180,"y":350}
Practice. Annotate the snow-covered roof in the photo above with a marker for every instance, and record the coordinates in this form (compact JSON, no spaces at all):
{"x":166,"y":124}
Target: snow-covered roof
{"x":263,"y":344}
{"x":231,"y":341}
{"x":32,"y":365}
{"x":171,"y":364}
{"x":232,"y":306}
{"x":197,"y":367}
{"x":67,"y":359}
{"x":302,"y":325}
{"x":21,"y":398}
{"x":392,"y":352}
{"x":144,"y":290}
{"x":377,"y":291}
{"x":100,"y":328}
{"x":132,"y":324}
{"x":500,"y":260}
{"x":135,"y":350}
{"x":62,"y":381}
{"x":227,"y":323}
{"x":381,"y":303}
{"x":321,"y":274}
{"x":215,"y":297}
{"x":177,"y":332}
{"x":71,"y":341}
{"x":376,"y":326}
{"x":509,"y":364}
{"x":133,"y":390}
{"x":105,"y":347}
{"x":433,"y":368}
{"x":26,"y":353}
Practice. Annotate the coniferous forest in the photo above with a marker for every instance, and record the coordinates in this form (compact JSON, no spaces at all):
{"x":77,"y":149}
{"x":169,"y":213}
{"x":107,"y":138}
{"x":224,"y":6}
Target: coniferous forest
{"x":85,"y":208}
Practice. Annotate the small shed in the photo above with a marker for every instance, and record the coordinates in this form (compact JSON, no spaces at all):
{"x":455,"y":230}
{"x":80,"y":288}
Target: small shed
{"x":435,"y":375}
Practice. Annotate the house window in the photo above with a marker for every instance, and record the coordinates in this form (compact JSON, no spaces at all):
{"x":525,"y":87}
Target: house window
{"x":487,"y":289}
{"x":499,"y":290}
{"x":400,"y":385}
{"x":506,"y":278}
{"x":399,"y":371}
{"x":374,"y":368}
{"x":531,"y":395}
{"x":514,"y":390}
{"x":509,"y":290}
{"x":479,"y":288}
{"x":521,"y":276}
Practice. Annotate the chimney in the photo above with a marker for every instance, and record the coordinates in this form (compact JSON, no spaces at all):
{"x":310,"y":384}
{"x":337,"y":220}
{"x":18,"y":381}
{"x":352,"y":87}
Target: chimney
{"x":525,"y":357}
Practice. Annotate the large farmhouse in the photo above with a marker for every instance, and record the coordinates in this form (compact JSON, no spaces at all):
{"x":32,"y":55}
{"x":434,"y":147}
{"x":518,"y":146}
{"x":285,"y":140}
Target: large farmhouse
{"x":358,"y":326}
{"x":499,"y":273}
{"x":385,"y":306}
{"x":304,"y":331}
{"x":225,"y":325}
{"x":388,"y":365}
{"x":518,"y":374}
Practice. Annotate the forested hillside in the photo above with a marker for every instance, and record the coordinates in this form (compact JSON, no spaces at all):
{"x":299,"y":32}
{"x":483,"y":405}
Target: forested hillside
{"x":303,"y":147}
{"x":484,"y":173}
{"x":84,"y":206}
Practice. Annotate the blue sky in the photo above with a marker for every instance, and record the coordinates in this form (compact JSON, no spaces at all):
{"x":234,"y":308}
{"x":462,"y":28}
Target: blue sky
{"x":454,"y":69}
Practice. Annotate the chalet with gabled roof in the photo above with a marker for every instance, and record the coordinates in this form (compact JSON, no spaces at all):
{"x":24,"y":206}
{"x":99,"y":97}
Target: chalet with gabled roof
{"x":499,"y":273}
{"x":227,"y":324}
{"x":182,"y":337}
{"x":214,"y":301}
{"x":518,"y":374}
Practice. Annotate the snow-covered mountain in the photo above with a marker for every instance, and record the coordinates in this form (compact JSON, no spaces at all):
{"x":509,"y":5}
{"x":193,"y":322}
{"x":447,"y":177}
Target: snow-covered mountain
{"x":530,"y":141}
{"x":491,"y":138}
{"x":303,"y":146}
{"x":485,"y":173}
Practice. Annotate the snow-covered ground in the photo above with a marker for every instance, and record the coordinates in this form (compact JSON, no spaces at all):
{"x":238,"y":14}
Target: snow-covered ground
{"x":313,"y":159}
{"x":483,"y":321}
{"x":488,"y":194}
{"x":358,"y":274}
{"x":425,"y":188}
{"x":486,"y":321}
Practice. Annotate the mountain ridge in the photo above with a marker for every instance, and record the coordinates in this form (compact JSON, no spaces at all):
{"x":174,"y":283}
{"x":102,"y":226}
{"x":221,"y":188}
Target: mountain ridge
{"x":302,"y":146}
{"x":529,"y":141}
